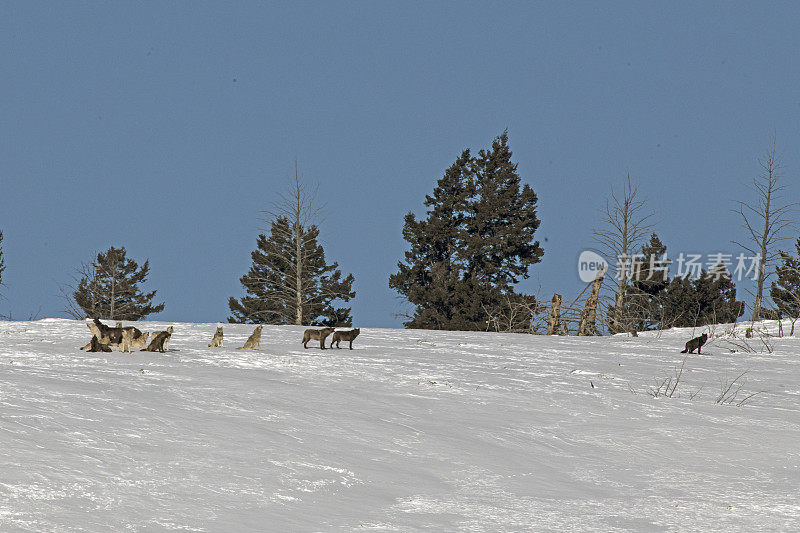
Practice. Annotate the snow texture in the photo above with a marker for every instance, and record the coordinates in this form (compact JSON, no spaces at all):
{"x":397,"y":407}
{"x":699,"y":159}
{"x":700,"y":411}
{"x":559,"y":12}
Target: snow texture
{"x":411,"y":430}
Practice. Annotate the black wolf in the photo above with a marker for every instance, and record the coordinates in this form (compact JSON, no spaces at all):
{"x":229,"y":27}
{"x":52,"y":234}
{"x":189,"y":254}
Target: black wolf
{"x":695,"y":343}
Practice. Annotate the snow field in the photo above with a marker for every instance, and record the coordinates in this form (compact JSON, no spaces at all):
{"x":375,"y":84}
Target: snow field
{"x":411,"y":430}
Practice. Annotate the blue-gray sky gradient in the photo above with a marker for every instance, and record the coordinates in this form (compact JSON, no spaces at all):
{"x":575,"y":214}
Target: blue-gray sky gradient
{"x":167,"y":127}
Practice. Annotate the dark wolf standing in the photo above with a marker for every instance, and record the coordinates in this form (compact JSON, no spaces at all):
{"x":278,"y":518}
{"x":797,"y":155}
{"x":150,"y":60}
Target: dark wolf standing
{"x":350,"y":335}
{"x":695,"y":344}
{"x":315,"y":334}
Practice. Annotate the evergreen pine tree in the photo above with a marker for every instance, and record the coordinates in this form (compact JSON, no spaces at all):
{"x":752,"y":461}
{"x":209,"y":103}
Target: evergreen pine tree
{"x":717,"y":302}
{"x":432,"y":278}
{"x":271,"y":287}
{"x":648,"y":285}
{"x":110,"y":289}
{"x":476,"y":241}
{"x":502,"y":220}
{"x":708,"y":299}
{"x":785,"y":290}
{"x":679,"y":304}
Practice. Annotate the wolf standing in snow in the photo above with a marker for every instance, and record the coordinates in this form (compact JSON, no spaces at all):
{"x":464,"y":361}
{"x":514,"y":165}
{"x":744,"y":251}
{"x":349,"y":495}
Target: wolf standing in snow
{"x":695,"y":344}
{"x":315,"y":334}
{"x":350,"y":335}
{"x":137,"y":338}
{"x":109,"y":336}
{"x":127,"y":338}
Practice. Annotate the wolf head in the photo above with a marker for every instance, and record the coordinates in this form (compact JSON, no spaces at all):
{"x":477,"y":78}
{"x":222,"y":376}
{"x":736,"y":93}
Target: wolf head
{"x":93,"y":328}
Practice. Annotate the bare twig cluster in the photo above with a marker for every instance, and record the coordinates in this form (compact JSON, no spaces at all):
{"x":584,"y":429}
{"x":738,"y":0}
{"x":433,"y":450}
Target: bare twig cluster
{"x":668,"y":385}
{"x":730,"y":392}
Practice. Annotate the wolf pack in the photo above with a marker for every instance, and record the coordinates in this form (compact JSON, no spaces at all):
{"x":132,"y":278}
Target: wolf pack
{"x":105,"y":337}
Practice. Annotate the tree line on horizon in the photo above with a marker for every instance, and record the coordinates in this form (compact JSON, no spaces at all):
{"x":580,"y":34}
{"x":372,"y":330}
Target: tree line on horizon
{"x":465,"y":259}
{"x":477,"y":242}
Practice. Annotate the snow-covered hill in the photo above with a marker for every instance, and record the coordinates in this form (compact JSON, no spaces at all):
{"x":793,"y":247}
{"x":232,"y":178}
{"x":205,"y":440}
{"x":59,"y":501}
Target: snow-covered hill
{"x":411,"y":430}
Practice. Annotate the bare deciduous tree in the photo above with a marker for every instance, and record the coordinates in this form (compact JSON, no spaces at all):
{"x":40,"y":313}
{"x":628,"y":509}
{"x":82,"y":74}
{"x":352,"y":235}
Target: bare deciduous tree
{"x":298,"y":207}
{"x":515,"y":313}
{"x":624,"y":226}
{"x":86,"y":271}
{"x":765,"y":221}
{"x":587,"y":324}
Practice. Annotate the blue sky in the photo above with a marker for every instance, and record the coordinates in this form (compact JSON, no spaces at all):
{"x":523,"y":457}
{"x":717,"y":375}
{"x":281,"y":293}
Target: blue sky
{"x":167,"y":127}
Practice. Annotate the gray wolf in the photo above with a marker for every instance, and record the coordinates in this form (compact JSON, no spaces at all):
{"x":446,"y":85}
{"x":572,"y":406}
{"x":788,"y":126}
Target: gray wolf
{"x":315,"y":334}
{"x":216,"y":341}
{"x":109,"y":336}
{"x":127,"y":338}
{"x":350,"y":335}
{"x":254,"y":341}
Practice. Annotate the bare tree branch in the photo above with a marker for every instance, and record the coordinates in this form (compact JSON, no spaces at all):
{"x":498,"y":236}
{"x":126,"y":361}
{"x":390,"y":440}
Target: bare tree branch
{"x":625,"y":224}
{"x":766,"y":222}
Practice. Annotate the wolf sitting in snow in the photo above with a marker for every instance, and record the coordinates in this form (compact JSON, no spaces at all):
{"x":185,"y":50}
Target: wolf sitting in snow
{"x":95,"y":346}
{"x":216,"y":340}
{"x":253,"y":342}
{"x":159,"y":342}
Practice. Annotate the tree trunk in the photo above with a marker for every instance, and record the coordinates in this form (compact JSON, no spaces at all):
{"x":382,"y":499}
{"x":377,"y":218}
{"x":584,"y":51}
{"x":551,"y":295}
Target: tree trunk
{"x":555,"y":316}
{"x":589,"y":314}
{"x":299,"y":280}
{"x":761,"y":274}
{"x":298,"y":237}
{"x":113,"y":291}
